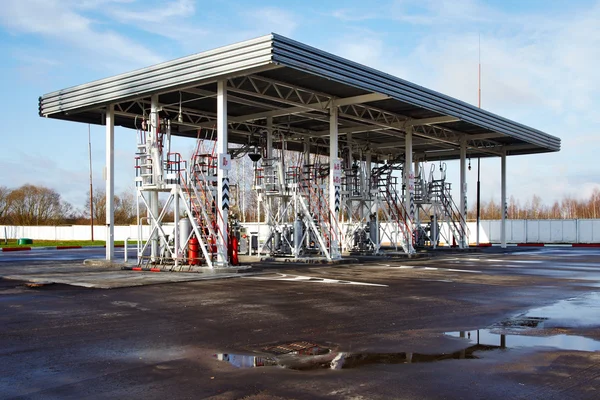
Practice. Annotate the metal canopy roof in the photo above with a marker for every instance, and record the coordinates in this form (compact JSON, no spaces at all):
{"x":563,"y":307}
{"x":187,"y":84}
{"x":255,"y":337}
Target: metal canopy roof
{"x":295,"y":84}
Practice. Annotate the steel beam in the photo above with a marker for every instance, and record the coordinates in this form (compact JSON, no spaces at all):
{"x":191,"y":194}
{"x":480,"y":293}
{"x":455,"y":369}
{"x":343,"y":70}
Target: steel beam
{"x":432,"y":121}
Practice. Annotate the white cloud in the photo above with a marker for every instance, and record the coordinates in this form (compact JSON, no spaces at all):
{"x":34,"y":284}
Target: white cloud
{"x":61,"y":22}
{"x":172,"y":20}
{"x":166,"y":12}
{"x":272,"y":19}
{"x":538,"y":69}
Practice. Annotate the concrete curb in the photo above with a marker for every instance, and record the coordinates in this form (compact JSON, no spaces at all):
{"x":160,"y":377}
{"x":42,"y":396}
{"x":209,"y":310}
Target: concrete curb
{"x":28,"y":248}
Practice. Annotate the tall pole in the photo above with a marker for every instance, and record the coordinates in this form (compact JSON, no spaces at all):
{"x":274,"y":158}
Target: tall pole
{"x":479,"y":75}
{"x":478,"y":158}
{"x":91,"y":187}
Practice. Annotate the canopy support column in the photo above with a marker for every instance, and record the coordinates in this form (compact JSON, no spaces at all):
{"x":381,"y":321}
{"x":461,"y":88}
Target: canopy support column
{"x":409,"y":181}
{"x":222,"y":172}
{"x":335,"y":180}
{"x":155,"y":153}
{"x":503,"y":200}
{"x":463,"y":192}
{"x":110,"y":182}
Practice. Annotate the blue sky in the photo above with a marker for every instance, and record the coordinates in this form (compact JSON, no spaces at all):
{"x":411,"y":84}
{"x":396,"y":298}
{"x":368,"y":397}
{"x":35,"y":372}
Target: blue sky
{"x":539,"y":61}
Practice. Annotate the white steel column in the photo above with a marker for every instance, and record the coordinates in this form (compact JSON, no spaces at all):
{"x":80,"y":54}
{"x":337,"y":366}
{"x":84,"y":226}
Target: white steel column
{"x":368,"y":167}
{"x":270,"y":158}
{"x":409,"y":181}
{"x":503,"y":199}
{"x":222,"y":173}
{"x":306,"y":150}
{"x":463,"y":192}
{"x":110,"y":182}
{"x":269,"y":137}
{"x":154,"y":151}
{"x":176,"y":238}
{"x":335,"y":180}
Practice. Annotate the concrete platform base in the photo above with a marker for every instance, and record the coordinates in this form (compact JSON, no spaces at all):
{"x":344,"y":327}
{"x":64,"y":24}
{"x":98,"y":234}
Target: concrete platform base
{"x":94,"y":262}
{"x":307,"y":260}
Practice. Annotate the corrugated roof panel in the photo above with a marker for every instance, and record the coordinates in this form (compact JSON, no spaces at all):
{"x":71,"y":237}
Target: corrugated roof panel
{"x":298,"y":63}
{"x":294,"y":54}
{"x":170,"y":75}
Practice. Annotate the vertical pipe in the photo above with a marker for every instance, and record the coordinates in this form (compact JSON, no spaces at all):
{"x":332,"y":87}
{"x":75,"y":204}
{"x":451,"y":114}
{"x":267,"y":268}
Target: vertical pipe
{"x":176,"y":238}
{"x":125,"y":249}
{"x":222,"y":173}
{"x":368,"y":167}
{"x":110,"y":182}
{"x":334,"y":178}
{"x":416,"y":174}
{"x":503,"y":200}
{"x":268,"y":157}
{"x":463,"y":192}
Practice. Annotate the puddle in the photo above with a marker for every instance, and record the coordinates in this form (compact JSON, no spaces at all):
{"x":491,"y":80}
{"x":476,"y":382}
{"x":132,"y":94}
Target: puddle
{"x":490,"y":337}
{"x":577,"y":312}
{"x":320,"y":357}
{"x":524,"y":330}
{"x":344,"y":360}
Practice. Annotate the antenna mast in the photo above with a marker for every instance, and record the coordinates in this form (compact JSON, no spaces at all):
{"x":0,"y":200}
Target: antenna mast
{"x":479,"y":85}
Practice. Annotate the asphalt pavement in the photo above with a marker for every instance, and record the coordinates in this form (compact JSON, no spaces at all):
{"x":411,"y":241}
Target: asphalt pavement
{"x":457,"y":326}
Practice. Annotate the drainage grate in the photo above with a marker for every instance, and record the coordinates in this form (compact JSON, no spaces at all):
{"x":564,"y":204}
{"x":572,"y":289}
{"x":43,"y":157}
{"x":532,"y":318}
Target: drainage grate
{"x":303,"y":348}
{"x":521,"y":322}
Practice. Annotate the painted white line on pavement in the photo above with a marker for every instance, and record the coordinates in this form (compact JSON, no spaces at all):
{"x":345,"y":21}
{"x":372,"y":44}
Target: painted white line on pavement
{"x":310,"y":279}
{"x":464,"y":270}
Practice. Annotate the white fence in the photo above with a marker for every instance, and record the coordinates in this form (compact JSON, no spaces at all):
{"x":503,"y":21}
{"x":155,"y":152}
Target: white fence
{"x":517,"y":231}
{"x":71,"y":232}
{"x":540,"y":231}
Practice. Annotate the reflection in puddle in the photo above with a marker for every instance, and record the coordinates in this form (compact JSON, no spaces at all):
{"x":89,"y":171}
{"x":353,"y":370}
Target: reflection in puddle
{"x":562,"y":342}
{"x":307,"y":356}
{"x":345,"y":360}
{"x":525,"y":330}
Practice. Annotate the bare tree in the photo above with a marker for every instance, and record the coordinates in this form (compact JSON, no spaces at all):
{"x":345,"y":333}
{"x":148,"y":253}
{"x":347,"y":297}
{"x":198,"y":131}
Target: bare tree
{"x":125,"y":207}
{"x":37,"y":205}
{"x":4,"y":203}
{"x":99,"y":202}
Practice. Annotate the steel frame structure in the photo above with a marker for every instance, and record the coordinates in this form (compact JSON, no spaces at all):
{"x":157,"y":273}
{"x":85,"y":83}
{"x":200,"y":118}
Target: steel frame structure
{"x":273,"y":83}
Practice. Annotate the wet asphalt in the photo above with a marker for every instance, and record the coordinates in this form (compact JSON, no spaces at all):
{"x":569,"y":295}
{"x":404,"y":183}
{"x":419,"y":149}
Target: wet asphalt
{"x":383,"y":317}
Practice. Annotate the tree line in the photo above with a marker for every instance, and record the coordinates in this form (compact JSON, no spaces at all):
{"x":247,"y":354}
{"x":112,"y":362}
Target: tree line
{"x":40,"y":205}
{"x":567,"y":208}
